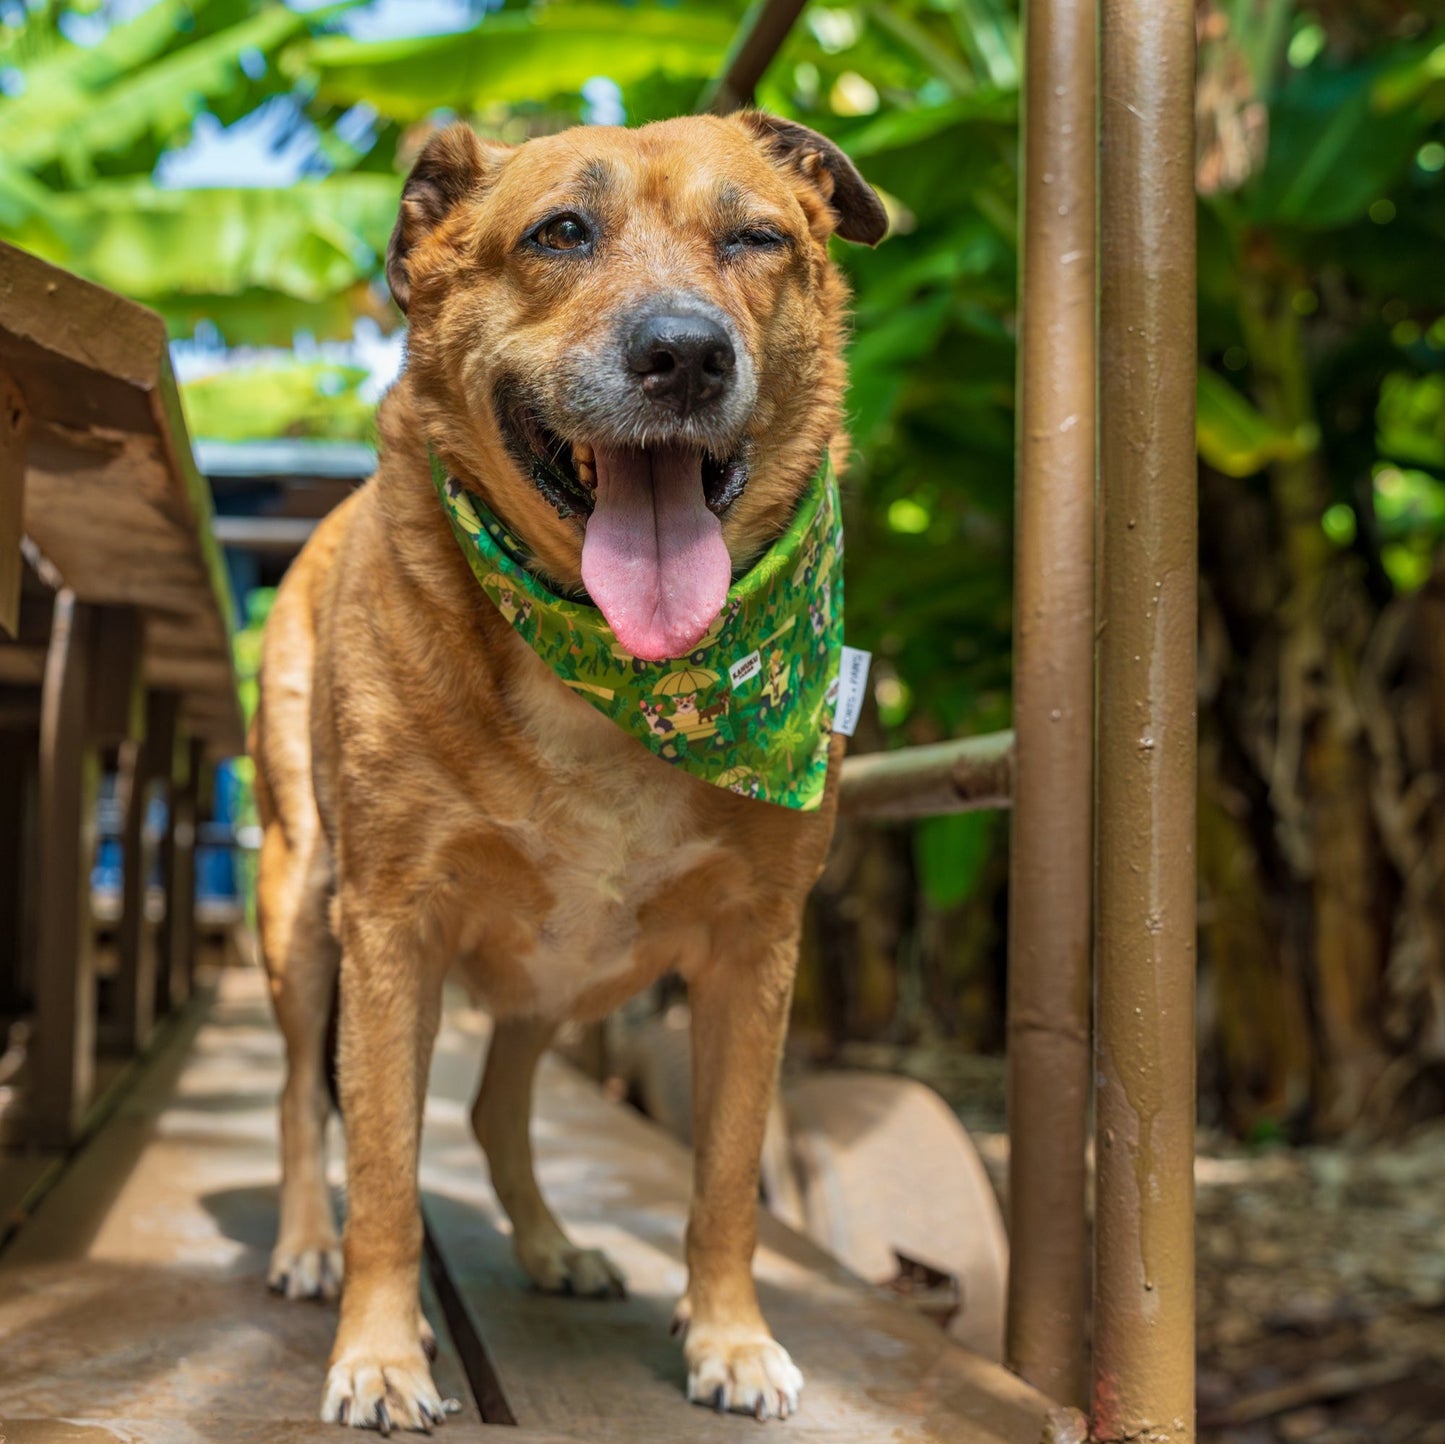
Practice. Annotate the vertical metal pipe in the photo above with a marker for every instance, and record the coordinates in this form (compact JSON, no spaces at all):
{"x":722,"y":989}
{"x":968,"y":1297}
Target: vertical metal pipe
{"x":1143,"y":1386}
{"x":1051,"y":877}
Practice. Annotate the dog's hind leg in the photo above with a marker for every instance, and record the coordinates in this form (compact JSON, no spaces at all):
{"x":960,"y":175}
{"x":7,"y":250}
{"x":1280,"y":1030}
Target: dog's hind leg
{"x":501,"y":1119}
{"x":301,"y":959}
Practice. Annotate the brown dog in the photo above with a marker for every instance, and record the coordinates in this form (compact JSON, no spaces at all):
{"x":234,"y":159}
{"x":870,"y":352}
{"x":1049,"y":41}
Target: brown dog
{"x":661,"y":302}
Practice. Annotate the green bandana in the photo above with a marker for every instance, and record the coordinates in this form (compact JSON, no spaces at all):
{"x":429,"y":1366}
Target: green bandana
{"x":750,"y":708}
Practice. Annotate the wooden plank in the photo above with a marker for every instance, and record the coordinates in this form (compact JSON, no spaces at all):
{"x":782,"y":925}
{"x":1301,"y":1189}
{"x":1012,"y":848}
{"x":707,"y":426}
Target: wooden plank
{"x":113,"y":497}
{"x":63,"y":1045}
{"x":135,"y":1298}
{"x":606,"y":1370}
{"x":14,"y":428}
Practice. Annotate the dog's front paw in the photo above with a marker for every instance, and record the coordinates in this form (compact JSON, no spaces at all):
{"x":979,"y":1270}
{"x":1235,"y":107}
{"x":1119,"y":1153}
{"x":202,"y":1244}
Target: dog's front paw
{"x":310,"y":1270}
{"x":743,"y":1369}
{"x":371,"y":1389}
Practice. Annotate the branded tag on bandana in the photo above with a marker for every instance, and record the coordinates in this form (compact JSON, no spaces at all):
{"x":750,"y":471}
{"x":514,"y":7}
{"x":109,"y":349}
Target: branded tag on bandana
{"x":853,"y":668}
{"x":751,"y":707}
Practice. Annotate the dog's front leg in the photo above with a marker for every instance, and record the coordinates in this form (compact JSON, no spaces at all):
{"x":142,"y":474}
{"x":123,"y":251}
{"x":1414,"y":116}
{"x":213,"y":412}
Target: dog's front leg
{"x":390,"y":1008}
{"x":739,"y":1018}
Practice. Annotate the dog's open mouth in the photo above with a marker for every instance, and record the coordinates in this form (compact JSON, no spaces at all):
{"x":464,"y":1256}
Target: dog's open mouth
{"x":566,"y":472}
{"x":653,"y":556}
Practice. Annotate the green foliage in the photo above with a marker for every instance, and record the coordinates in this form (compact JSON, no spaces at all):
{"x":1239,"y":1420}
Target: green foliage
{"x":311,"y":399}
{"x":1331,"y":246}
{"x":1236,"y":438}
{"x":308,"y":243}
{"x":517,"y":57}
{"x":951,"y":853}
{"x":89,"y":103}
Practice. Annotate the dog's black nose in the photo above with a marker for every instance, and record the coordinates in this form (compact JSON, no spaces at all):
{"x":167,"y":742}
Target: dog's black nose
{"x":681,"y":361}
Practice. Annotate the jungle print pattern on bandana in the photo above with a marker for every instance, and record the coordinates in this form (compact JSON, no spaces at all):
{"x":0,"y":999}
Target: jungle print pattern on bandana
{"x":750,"y":708}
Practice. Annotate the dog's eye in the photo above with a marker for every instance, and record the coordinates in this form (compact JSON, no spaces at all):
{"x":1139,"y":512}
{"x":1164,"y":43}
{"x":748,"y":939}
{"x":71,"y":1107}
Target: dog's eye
{"x":563,"y":233}
{"x":753,"y":238}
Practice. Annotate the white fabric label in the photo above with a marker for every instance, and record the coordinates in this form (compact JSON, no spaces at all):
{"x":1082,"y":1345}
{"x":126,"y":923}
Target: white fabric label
{"x":745,"y":668}
{"x":852,"y":688}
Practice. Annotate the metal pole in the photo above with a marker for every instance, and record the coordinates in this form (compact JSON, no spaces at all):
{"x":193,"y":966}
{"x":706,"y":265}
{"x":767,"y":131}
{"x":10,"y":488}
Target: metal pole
{"x":1145,"y":1102}
{"x":1051,"y":869}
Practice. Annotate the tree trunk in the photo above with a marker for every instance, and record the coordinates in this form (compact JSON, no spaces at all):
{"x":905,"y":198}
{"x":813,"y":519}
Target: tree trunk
{"x":1323,"y":718}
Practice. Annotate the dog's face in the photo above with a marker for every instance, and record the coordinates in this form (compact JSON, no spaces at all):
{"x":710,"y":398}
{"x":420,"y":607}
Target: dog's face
{"x":631,"y":341}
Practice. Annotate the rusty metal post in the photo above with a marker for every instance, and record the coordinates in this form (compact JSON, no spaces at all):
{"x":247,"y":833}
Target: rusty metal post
{"x":1143,"y":1385}
{"x":1051,"y":868}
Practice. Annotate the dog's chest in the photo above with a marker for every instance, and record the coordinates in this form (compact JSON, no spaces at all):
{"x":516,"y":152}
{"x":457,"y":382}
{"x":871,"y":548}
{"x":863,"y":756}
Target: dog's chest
{"x":609,"y":833}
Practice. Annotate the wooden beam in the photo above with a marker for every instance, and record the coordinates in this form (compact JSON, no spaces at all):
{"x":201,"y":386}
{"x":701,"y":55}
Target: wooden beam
{"x":63,"y":1047}
{"x":759,"y":38}
{"x":117,"y":695}
{"x":969,"y":774}
{"x":14,"y":429}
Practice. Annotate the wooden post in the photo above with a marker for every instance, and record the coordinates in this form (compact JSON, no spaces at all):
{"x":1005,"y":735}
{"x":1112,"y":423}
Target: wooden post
{"x":64,"y":1041}
{"x":14,"y":429}
{"x":759,"y":38}
{"x":178,"y":868}
{"x":1143,"y":1384}
{"x":17,"y":764}
{"x":967,"y":774}
{"x":136,"y":981}
{"x":88,"y":699}
{"x":1051,"y":864}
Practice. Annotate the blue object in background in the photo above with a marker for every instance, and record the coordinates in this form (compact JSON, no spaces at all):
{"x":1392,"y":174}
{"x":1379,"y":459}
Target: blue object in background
{"x":216,"y":877}
{"x":215,"y":859}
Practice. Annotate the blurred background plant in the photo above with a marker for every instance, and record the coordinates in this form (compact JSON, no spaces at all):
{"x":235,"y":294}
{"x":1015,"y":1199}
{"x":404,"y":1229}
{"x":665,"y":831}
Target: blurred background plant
{"x":236,"y":165}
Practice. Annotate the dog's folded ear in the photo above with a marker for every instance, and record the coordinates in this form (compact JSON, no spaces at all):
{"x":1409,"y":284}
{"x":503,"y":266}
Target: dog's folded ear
{"x":454,"y":165}
{"x":854,"y":203}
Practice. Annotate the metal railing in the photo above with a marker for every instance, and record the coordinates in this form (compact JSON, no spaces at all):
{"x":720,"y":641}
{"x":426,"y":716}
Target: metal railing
{"x":1101,"y":767}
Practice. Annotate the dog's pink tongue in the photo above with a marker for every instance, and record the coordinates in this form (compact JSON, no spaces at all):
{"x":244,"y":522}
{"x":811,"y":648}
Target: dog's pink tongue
{"x":653,"y":557}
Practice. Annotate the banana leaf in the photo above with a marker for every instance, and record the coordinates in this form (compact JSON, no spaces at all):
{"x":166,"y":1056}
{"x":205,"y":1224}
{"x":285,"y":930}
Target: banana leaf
{"x":310,"y":241}
{"x":514,"y":56}
{"x":310,"y":399}
{"x":1237,"y":439}
{"x":97,"y":109}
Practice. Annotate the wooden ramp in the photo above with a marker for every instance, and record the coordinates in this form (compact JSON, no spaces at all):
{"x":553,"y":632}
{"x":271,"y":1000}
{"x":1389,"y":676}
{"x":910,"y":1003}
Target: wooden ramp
{"x":133,"y":1305}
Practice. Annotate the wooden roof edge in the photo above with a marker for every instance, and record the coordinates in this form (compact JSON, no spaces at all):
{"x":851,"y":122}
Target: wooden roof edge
{"x":195,"y":497}
{"x":107,"y":333}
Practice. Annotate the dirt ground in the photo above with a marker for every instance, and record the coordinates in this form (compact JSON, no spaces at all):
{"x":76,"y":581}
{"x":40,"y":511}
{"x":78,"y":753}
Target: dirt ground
{"x":1321,"y":1273}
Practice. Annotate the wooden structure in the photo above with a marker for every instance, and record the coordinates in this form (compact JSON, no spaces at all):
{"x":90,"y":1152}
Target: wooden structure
{"x":118,"y":651}
{"x":135,"y":1299}
{"x":1100,"y":771}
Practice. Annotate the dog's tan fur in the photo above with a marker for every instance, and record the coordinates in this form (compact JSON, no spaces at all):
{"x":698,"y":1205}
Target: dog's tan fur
{"x":432,"y":795}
